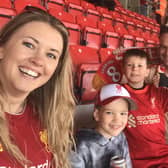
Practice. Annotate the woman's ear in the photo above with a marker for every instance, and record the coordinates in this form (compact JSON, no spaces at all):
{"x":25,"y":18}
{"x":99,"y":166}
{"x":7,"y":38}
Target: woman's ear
{"x":96,"y":115}
{"x":1,"y":52}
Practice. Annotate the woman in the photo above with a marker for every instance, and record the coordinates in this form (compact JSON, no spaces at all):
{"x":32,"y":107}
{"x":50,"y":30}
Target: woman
{"x":36,"y":98}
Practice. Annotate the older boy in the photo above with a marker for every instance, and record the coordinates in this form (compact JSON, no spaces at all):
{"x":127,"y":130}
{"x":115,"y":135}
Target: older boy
{"x":96,"y":146}
{"x":146,"y":130}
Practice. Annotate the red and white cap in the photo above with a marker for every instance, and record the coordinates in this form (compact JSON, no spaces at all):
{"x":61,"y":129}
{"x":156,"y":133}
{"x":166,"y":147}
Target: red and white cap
{"x":111,"y":92}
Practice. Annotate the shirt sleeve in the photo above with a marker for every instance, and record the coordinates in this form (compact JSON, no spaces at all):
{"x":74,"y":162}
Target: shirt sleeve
{"x":126,"y":153}
{"x":76,"y":160}
{"x":81,"y":157}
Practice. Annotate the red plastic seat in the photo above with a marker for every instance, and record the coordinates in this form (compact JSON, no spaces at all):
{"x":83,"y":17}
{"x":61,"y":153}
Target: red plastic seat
{"x":85,"y":92}
{"x":75,"y":32}
{"x":21,"y":4}
{"x":5,"y":15}
{"x":150,"y":43}
{"x":86,"y":5}
{"x":77,"y":2}
{"x":120,"y":27}
{"x":86,"y":63}
{"x":62,"y":15}
{"x":92,"y":37}
{"x":105,"y":53}
{"x":75,"y":9}
{"x":105,"y":26}
{"x":6,"y":4}
{"x":127,"y":41}
{"x":112,"y":40}
{"x":84,"y":21}
{"x":83,"y":55}
{"x":139,"y":42}
{"x":93,"y":14}
{"x":56,"y":4}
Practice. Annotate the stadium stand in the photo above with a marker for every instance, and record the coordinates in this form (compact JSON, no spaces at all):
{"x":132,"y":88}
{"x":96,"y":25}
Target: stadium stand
{"x":5,"y":15}
{"x":94,"y":33}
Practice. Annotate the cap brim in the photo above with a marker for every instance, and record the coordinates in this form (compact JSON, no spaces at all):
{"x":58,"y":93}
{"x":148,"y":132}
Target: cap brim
{"x":131,"y":102}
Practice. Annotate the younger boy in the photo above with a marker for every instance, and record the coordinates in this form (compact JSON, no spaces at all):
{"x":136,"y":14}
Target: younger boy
{"x":95,"y":147}
{"x":146,"y":132}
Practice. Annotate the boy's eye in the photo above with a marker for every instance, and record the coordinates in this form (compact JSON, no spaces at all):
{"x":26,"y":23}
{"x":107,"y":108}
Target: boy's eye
{"x":124,"y":113}
{"x":51,"y":55}
{"x":28,"y":44}
{"x":139,"y":65}
{"x":109,"y":112}
{"x":128,"y":65}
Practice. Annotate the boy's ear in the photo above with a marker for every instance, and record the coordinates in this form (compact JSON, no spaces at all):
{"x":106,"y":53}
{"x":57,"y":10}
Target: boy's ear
{"x":147,"y":71}
{"x":96,"y":115}
{"x":1,"y":53}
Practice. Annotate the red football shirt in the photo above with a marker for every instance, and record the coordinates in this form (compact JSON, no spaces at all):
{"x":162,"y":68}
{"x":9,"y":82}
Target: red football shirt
{"x":146,"y":131}
{"x":31,"y":140}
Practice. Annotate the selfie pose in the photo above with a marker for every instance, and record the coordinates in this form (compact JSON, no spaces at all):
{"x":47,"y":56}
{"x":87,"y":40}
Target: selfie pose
{"x":36,"y":99}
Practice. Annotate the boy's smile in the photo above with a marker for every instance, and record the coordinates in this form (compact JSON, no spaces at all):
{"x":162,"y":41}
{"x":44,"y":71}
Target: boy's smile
{"x":112,"y":118}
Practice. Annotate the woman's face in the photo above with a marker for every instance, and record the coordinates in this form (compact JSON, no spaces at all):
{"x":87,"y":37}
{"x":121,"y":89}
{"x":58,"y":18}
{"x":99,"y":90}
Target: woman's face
{"x":30,"y":57}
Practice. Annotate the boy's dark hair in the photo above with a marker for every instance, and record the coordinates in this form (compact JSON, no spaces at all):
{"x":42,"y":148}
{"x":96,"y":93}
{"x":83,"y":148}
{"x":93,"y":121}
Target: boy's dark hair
{"x":136,"y":53}
{"x":163,"y":30}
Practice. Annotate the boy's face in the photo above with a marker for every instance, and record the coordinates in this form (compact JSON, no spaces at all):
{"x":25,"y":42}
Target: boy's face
{"x":136,"y":70}
{"x":112,"y":118}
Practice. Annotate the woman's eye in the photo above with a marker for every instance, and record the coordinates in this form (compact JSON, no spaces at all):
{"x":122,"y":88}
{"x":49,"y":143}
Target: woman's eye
{"x":29,"y":45}
{"x":51,"y":55}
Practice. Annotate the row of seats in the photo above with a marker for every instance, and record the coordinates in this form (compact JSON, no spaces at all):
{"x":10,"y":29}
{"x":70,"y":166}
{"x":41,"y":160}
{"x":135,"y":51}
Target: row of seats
{"x":86,"y":62}
{"x":88,"y":35}
{"x":79,"y":7}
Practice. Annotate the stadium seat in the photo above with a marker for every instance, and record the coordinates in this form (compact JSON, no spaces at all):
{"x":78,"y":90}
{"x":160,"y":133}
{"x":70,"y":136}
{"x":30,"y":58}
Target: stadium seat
{"x":155,"y":36}
{"x":75,"y":9}
{"x":115,"y":15}
{"x":92,"y":37}
{"x":139,"y":42}
{"x":84,"y":21}
{"x":6,"y":4}
{"x":104,"y":53}
{"x":127,"y":41}
{"x":21,"y":4}
{"x":105,"y":26}
{"x":84,"y":90}
{"x":75,"y":32}
{"x":56,"y":4}
{"x":105,"y":15}
{"x":86,"y":62}
{"x":111,"y":40}
{"x":5,"y":15}
{"x":150,"y":43}
{"x":93,"y":14}
{"x":86,"y":5}
{"x":62,"y":15}
{"x":120,"y":27}
{"x":83,"y":54}
{"x":77,"y":2}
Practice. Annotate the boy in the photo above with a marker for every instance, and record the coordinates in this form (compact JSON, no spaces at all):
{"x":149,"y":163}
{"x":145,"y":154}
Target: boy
{"x":146,"y":132}
{"x":95,"y":147}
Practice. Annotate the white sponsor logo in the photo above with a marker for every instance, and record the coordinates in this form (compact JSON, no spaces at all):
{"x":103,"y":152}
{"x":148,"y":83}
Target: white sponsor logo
{"x":143,"y":120}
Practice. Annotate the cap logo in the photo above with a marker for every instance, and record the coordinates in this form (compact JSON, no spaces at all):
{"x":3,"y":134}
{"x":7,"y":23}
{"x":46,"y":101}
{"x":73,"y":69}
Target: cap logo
{"x":119,"y":88}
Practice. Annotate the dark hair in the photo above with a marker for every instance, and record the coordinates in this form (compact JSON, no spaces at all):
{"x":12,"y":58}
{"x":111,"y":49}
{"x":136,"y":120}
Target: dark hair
{"x":136,"y":53}
{"x":163,"y":30}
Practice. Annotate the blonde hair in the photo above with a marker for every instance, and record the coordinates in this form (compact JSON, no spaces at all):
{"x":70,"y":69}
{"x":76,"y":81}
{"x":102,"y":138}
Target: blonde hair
{"x":53,"y":102}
